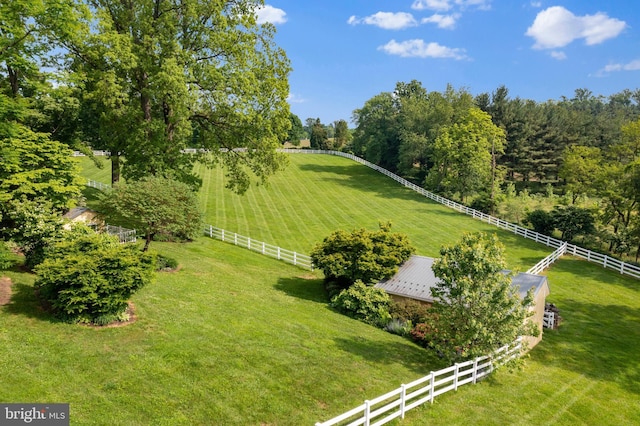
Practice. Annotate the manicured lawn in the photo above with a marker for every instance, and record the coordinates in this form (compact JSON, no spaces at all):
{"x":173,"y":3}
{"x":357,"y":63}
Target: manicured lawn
{"x":318,"y":194}
{"x":585,"y":373}
{"x":233,"y":338}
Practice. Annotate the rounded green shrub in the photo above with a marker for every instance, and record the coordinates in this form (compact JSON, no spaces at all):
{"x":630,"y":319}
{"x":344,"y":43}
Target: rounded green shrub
{"x":366,"y":303}
{"x":88,"y":276}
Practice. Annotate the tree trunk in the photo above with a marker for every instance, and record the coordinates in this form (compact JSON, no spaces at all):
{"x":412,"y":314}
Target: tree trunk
{"x":13,"y":80}
{"x":115,"y":168}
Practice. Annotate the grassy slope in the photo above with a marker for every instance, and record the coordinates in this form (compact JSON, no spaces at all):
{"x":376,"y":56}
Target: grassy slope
{"x":232,"y":338}
{"x":585,"y":373}
{"x":318,"y":194}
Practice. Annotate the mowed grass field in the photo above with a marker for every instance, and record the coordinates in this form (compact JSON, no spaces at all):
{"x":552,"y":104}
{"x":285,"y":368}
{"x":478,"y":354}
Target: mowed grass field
{"x":237,"y":338}
{"x":318,"y":194}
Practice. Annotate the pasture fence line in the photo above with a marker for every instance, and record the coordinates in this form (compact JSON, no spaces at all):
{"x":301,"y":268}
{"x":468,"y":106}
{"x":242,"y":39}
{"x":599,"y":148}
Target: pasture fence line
{"x":547,"y":261}
{"x":98,"y":185}
{"x":395,"y":404}
{"x":603,"y":260}
{"x":288,"y":256}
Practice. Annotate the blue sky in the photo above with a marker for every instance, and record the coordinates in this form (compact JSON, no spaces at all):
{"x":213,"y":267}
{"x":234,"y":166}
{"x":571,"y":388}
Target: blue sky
{"x":344,"y":52}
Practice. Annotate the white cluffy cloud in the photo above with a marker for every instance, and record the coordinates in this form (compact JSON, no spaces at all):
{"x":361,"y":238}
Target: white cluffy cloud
{"x":442,"y":21}
{"x":630,"y":66}
{"x":268,"y":13}
{"x":419,"y":49}
{"x":386,"y":20}
{"x":444,"y":5}
{"x":557,"y":27}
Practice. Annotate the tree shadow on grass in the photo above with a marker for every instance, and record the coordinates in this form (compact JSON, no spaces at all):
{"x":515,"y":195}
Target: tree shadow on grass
{"x":303,"y":288}
{"x":362,"y":179}
{"x":24,"y":302}
{"x":91,"y":195}
{"x":416,"y":359}
{"x":597,"y":340}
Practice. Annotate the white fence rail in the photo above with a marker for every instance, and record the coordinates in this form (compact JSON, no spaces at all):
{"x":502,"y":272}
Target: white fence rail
{"x":98,"y":185}
{"x":547,"y":261}
{"x":591,"y":256}
{"x":125,"y":235}
{"x":298,"y":259}
{"x":395,"y":404}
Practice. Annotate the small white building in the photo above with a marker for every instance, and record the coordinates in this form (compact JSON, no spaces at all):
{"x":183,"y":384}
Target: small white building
{"x":415,"y":278}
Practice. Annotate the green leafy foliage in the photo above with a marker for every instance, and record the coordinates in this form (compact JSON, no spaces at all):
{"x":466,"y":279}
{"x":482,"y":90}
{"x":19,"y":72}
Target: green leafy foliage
{"x":541,"y":221}
{"x":572,"y":221}
{"x":367,"y":256}
{"x":35,"y":167}
{"x":154,"y":205}
{"x":166,"y":263}
{"x":365,"y":303}
{"x":476,"y":309}
{"x":194,"y":74}
{"x":87,"y":275}
{"x":409,"y":310}
{"x":7,"y":258}
{"x":33,"y":226}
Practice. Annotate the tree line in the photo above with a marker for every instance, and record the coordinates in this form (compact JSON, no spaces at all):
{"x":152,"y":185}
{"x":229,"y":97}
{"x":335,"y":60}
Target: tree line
{"x":481,"y":149}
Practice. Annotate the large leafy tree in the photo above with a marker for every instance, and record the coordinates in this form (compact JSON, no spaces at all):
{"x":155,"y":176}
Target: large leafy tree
{"x":476,"y":308}
{"x":164,"y":75}
{"x":318,"y":138}
{"x":154,"y":206}
{"x":463,"y":155}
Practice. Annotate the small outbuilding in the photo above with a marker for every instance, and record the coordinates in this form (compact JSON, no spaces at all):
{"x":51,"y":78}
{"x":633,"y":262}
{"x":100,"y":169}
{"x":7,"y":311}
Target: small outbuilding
{"x":415,"y":278}
{"x":83,"y":215}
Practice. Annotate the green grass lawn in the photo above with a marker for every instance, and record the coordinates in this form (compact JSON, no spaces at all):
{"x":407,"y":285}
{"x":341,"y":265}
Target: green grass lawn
{"x":233,"y":338}
{"x":237,"y":338}
{"x":318,"y":194}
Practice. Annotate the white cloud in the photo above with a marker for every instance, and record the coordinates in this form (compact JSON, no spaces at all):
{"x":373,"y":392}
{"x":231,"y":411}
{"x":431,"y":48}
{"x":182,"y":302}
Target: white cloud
{"x":559,"y":55}
{"x":295,"y":99}
{"x":557,"y":27}
{"x":630,"y":66}
{"x":444,"y":5}
{"x":418,"y":48}
{"x":441,"y":5}
{"x":386,"y":20}
{"x":271,"y":14}
{"x":442,"y":21}
{"x":536,"y":4}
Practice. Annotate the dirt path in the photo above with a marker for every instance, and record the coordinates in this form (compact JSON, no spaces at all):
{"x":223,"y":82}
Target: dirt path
{"x":5,"y":290}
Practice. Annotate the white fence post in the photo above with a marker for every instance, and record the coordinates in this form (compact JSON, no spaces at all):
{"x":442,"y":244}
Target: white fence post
{"x":403,"y":397}
{"x":367,"y":413}
{"x":431,"y":388}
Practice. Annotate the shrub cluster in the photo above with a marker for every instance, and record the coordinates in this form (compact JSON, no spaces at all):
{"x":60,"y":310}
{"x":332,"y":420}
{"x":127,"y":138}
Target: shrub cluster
{"x":89,"y":277}
{"x":365,"y":303}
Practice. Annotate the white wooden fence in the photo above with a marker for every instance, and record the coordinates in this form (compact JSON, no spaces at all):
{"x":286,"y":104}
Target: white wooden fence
{"x":547,"y":261}
{"x":395,"y":404}
{"x":98,"y":185}
{"x":298,"y":259}
{"x":591,"y":256}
